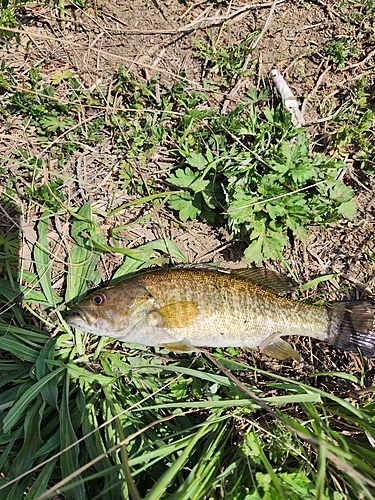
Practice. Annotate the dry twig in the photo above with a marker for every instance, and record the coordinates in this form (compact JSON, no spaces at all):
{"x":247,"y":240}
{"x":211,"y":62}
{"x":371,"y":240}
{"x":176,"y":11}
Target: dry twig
{"x":253,"y":45}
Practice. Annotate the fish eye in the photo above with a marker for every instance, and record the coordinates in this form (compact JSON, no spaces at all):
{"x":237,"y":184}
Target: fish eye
{"x":99,"y":299}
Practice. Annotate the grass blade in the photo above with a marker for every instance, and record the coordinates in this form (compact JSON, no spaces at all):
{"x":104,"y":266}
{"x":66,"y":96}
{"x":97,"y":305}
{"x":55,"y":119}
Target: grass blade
{"x":69,"y":459}
{"x":41,"y":258}
{"x":21,"y":405}
{"x":83,"y":257}
{"x":166,"y":479}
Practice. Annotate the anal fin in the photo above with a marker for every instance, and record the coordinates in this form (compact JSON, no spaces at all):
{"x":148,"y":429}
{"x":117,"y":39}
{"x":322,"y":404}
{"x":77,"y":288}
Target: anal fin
{"x":279,"y":349}
{"x":180,"y":347}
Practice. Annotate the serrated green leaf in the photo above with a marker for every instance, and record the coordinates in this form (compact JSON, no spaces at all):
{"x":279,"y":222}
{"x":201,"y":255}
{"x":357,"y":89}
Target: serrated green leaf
{"x":188,"y":179}
{"x":347,"y":209}
{"x":197,"y":160}
{"x":52,"y":123}
{"x":259,"y":227}
{"x":242,"y":207}
{"x":184,"y":204}
{"x":275,"y":211}
{"x":267,"y":244}
{"x":341,"y":193}
{"x":254,"y":252}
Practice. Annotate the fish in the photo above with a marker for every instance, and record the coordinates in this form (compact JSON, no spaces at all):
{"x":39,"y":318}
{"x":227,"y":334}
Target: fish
{"x":187,"y":308}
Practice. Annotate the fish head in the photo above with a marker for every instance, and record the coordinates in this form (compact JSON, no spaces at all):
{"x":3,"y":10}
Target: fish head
{"x":112,"y":311}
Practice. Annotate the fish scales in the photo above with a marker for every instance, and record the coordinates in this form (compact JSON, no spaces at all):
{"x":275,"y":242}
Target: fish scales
{"x":233,"y":310}
{"x":185,"y":308}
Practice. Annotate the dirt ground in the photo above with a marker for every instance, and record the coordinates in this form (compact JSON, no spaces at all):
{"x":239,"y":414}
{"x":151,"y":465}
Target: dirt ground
{"x":156,"y":38}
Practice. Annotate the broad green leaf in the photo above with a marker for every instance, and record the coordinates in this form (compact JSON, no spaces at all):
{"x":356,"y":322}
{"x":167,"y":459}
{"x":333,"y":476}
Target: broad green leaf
{"x":11,"y":370}
{"x":343,"y":375}
{"x":77,"y":372}
{"x":319,"y":279}
{"x":144,"y":252}
{"x":268,"y":113}
{"x":199,"y":481}
{"x":49,"y":391}
{"x":31,"y":295}
{"x":52,"y":445}
{"x":166,"y":479}
{"x":11,"y":344}
{"x":9,"y":449}
{"x":168,"y":247}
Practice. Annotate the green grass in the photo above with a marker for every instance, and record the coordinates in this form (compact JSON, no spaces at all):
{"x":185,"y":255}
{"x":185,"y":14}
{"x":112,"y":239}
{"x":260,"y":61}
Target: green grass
{"x":59,"y":397}
{"x":69,"y":400}
{"x":179,"y":418}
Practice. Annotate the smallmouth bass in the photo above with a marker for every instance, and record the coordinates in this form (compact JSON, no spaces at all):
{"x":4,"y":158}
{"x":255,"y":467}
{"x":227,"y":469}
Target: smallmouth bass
{"x":184,"y":308}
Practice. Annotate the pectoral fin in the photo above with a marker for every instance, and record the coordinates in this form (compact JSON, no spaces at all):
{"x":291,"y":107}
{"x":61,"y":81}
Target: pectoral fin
{"x":280,"y":349}
{"x":178,"y":314}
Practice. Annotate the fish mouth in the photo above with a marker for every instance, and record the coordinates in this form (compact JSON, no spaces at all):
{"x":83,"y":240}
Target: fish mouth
{"x":81,"y":318}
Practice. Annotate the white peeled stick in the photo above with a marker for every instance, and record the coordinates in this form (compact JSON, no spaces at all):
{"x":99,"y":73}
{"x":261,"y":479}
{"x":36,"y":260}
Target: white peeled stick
{"x":289,"y":101}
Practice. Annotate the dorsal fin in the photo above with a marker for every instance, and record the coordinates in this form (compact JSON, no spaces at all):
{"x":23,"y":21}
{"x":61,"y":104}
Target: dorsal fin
{"x":280,"y":285}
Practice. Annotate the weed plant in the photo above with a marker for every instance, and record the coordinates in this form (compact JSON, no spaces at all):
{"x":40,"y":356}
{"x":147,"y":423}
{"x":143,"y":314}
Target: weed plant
{"x":249,"y":169}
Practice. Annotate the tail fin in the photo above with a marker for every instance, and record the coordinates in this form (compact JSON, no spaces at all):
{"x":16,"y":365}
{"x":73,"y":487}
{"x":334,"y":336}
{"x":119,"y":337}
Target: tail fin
{"x":351,"y":326}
